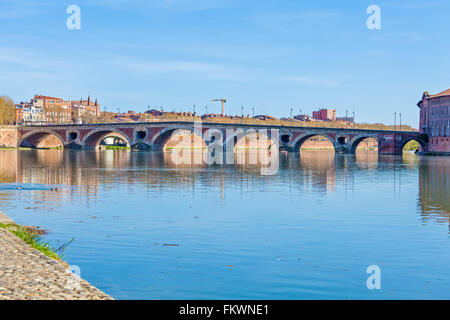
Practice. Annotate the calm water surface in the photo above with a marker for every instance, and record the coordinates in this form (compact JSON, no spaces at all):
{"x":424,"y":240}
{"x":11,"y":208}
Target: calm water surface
{"x":144,"y":228}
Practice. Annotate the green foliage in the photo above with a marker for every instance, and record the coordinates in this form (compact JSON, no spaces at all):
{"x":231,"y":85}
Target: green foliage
{"x":32,"y":239}
{"x":117,"y":148}
{"x":412,"y":146}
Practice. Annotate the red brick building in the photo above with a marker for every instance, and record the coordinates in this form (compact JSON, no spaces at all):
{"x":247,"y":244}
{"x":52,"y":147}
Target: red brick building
{"x":325,"y":115}
{"x":435,"y":120}
{"x":86,"y":107}
{"x":56,"y":110}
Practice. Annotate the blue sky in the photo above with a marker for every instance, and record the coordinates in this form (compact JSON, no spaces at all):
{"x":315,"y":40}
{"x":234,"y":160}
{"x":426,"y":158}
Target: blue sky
{"x":270,"y":55}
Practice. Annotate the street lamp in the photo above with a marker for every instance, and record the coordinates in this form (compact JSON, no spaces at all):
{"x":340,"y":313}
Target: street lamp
{"x":346,"y":118}
{"x":395,"y":121}
{"x":253,"y":111}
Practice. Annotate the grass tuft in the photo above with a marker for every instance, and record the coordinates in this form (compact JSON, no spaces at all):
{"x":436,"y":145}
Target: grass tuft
{"x":33,"y":239}
{"x":116,"y":148}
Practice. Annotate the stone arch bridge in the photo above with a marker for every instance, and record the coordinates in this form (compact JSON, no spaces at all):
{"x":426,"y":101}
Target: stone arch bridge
{"x":154,"y":135}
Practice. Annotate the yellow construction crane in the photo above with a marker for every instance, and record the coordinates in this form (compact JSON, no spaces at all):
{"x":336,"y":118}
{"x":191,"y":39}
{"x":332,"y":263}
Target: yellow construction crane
{"x":223,"y":104}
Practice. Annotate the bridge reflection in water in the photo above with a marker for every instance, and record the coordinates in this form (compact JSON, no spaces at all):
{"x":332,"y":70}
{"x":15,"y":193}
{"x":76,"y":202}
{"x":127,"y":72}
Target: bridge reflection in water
{"x":318,"y":171}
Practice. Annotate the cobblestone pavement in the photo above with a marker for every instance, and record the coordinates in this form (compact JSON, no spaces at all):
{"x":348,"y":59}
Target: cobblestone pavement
{"x":27,"y":274}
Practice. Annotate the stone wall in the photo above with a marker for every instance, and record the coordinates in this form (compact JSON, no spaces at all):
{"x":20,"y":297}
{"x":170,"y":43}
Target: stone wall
{"x":439,"y":145}
{"x":8,"y":136}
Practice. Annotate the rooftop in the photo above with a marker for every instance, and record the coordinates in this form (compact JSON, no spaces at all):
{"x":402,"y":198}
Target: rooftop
{"x":445,"y":93}
{"x":46,"y":97}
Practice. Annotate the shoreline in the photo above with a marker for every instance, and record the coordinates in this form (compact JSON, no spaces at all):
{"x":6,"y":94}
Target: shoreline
{"x":28,"y":274}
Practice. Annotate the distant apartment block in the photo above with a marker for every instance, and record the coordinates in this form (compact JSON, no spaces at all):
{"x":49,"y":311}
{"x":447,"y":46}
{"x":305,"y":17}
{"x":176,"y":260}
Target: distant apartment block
{"x":30,"y":113}
{"x":325,"y":115}
{"x":435,"y":120}
{"x":56,"y":110}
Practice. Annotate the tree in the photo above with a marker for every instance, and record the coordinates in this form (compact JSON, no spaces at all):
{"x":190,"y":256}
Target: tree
{"x":7,"y":111}
{"x":108,"y":117}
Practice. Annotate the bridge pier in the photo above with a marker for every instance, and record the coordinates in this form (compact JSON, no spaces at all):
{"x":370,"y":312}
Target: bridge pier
{"x":73,"y":145}
{"x":343,"y":150}
{"x":141,"y":146}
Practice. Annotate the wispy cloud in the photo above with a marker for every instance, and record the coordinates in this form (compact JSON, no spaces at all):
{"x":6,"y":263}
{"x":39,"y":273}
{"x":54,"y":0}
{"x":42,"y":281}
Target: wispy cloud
{"x":15,"y":9}
{"x":171,"y":5}
{"x":21,"y":58}
{"x":417,"y":4}
{"x":193,"y":5}
{"x":168,"y":66}
{"x":283,"y":21}
{"x":312,"y":81}
{"x":150,"y":67}
{"x":21,"y":9}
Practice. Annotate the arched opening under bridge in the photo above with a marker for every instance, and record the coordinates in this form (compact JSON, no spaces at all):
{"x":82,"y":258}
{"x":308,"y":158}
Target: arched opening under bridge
{"x":252,"y":140}
{"x":42,"y":140}
{"x":178,"y":139}
{"x":365,"y":144}
{"x":314,"y":142}
{"x":412,"y":146}
{"x":107,"y":139}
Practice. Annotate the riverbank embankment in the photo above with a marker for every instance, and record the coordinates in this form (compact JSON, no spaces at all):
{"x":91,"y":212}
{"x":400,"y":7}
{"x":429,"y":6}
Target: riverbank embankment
{"x":27,"y":274}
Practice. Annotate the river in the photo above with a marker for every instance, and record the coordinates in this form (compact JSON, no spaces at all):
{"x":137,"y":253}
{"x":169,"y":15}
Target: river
{"x":145,"y":228}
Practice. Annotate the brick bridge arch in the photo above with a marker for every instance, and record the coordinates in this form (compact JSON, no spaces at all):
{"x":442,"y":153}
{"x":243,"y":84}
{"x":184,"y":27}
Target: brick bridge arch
{"x":158,"y":141}
{"x":93,"y":139}
{"x":34,"y":138}
{"x":297,"y":142}
{"x":355,"y":141}
{"x":396,"y":143}
{"x":240,"y":134}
